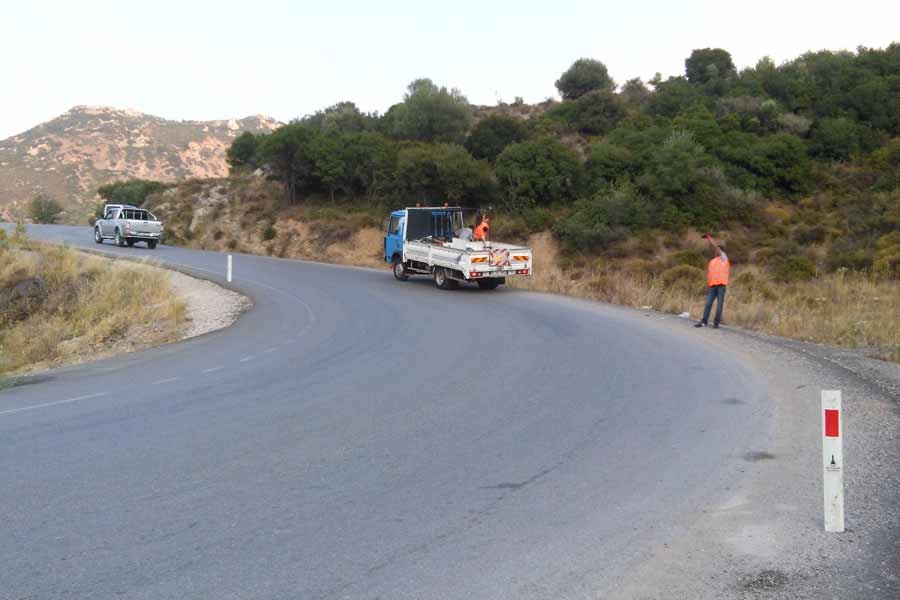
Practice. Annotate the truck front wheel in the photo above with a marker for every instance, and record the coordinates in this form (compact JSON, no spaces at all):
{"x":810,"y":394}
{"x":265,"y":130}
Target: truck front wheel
{"x":399,"y":269}
{"x":443,"y":281}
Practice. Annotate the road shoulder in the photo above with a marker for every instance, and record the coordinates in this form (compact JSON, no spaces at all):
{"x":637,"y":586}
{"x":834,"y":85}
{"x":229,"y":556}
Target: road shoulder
{"x":768,"y":539}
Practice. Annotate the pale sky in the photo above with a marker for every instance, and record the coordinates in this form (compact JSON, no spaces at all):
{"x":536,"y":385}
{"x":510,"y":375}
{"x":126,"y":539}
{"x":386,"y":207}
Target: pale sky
{"x":220,"y":59}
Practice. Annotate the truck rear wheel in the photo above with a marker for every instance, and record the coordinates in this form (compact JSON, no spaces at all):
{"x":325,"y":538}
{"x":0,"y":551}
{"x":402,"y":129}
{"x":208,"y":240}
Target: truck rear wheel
{"x":488,"y":284}
{"x":151,"y":244}
{"x":442,"y":279}
{"x":120,"y":241}
{"x":399,"y":269}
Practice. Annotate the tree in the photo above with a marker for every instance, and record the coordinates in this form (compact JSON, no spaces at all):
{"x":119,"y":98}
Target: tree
{"x":437,"y":173}
{"x":635,"y":93}
{"x":242,"y":152}
{"x":673,"y":96}
{"x":708,"y":64}
{"x":430,"y":113}
{"x":540,"y":171}
{"x":131,"y":191}
{"x":286,"y":152}
{"x":585,"y":75}
{"x":597,"y":112}
{"x":343,"y":117}
{"x":44,"y":209}
{"x":494,"y":133}
{"x":608,"y":162}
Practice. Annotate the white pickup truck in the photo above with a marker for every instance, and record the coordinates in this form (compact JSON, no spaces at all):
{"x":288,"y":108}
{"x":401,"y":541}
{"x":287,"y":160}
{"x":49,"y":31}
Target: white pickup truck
{"x":426,"y":241}
{"x":126,"y":225}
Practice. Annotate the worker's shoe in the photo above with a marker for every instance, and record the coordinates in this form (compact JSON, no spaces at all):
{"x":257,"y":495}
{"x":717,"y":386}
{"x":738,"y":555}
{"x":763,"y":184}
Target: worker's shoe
{"x":715,"y":325}
{"x":700,"y":324}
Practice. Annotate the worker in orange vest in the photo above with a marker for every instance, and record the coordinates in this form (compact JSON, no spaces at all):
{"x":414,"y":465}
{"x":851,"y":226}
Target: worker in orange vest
{"x":483,"y":229}
{"x":716,"y":281}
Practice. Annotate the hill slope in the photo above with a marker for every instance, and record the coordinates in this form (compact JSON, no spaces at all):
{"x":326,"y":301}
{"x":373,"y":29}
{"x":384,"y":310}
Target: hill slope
{"x":69,"y":157}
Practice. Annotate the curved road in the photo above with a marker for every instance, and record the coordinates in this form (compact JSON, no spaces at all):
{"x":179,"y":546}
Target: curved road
{"x":356,"y":437}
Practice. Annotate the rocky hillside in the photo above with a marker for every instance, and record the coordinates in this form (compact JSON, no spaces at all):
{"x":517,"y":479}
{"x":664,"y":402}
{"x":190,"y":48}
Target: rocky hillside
{"x":69,"y":157}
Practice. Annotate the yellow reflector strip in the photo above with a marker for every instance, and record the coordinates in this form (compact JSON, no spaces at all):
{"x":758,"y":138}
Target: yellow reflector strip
{"x":479,"y":259}
{"x":520,"y":258}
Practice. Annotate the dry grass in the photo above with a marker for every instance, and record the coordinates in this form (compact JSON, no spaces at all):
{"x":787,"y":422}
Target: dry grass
{"x":846,"y":309}
{"x":93,"y":306}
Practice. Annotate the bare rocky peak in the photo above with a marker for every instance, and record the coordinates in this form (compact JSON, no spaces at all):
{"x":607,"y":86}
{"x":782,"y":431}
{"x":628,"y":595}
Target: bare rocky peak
{"x":70,"y":156}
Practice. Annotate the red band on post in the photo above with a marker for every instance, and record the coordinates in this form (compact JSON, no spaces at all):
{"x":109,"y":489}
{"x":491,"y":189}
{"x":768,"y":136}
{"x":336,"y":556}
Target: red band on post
{"x":832,"y":429}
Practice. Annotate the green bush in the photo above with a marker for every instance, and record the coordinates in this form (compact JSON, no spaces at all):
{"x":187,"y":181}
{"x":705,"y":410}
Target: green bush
{"x":603,"y":218}
{"x":494,"y":133}
{"x":795,"y":268}
{"x":44,"y":209}
{"x":584,"y":76}
{"x":538,"y":172}
{"x":269,"y":232}
{"x":684,"y":278}
{"x":887,"y":254}
{"x":693,"y":258}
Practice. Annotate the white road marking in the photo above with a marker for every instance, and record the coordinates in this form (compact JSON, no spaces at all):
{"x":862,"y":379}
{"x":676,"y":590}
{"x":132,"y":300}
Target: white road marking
{"x":268,"y":350}
{"x":246,"y":358}
{"x":212,"y":370}
{"x":162,"y":381}
{"x":45,"y":404}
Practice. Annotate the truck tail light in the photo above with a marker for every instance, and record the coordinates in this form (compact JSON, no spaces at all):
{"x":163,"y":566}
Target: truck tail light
{"x":522,"y":272}
{"x":474,"y":274}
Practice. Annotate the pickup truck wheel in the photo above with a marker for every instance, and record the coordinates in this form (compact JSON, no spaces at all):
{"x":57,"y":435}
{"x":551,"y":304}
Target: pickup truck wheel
{"x":97,"y":237}
{"x":488,"y":284}
{"x":399,"y":269}
{"x":130,"y":243}
{"x":443,"y":281}
{"x":151,"y":244}
{"x":120,"y":241}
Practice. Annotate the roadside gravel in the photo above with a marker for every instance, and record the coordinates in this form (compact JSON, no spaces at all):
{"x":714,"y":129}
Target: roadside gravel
{"x":208,"y":307}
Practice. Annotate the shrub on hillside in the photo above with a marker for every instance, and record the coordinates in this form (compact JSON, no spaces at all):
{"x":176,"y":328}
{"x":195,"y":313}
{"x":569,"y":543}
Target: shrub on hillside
{"x":684,"y":278}
{"x":437,"y":173}
{"x":692,"y":258}
{"x":538,"y":172}
{"x":795,"y":268}
{"x":595,"y":113}
{"x":609,"y":162}
{"x":494,"y":133}
{"x":603,"y":218}
{"x":887,"y":254}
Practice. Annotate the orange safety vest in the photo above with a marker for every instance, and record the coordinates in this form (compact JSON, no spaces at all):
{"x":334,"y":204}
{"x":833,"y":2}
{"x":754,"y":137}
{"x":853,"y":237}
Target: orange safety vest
{"x":481,"y":231}
{"x":717,"y":271}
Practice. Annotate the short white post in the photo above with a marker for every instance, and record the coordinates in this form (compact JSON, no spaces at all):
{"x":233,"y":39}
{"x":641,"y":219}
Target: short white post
{"x":832,"y":461}
{"x":229,"y":268}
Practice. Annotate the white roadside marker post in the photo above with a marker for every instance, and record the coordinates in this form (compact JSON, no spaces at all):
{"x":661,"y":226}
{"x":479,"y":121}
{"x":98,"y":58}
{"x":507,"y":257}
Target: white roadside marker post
{"x":229,"y":268}
{"x":832,"y":461}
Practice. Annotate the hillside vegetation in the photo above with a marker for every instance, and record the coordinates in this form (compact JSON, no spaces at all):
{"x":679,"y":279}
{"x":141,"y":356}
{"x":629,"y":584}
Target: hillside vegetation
{"x":59,"y":306}
{"x":796,"y":166}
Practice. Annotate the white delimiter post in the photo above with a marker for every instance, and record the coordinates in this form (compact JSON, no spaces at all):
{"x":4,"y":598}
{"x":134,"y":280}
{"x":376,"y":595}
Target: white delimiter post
{"x":229,"y":268}
{"x":832,"y":460}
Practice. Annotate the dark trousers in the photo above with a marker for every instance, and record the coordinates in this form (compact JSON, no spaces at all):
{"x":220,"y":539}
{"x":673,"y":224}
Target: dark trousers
{"x":717,"y":293}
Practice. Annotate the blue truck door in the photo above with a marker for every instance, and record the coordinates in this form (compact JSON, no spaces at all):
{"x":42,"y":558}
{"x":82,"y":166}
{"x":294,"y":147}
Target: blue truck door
{"x":393,"y":239}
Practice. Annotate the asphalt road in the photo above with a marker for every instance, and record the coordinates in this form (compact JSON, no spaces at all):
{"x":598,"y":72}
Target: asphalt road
{"x":356,"y":437}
